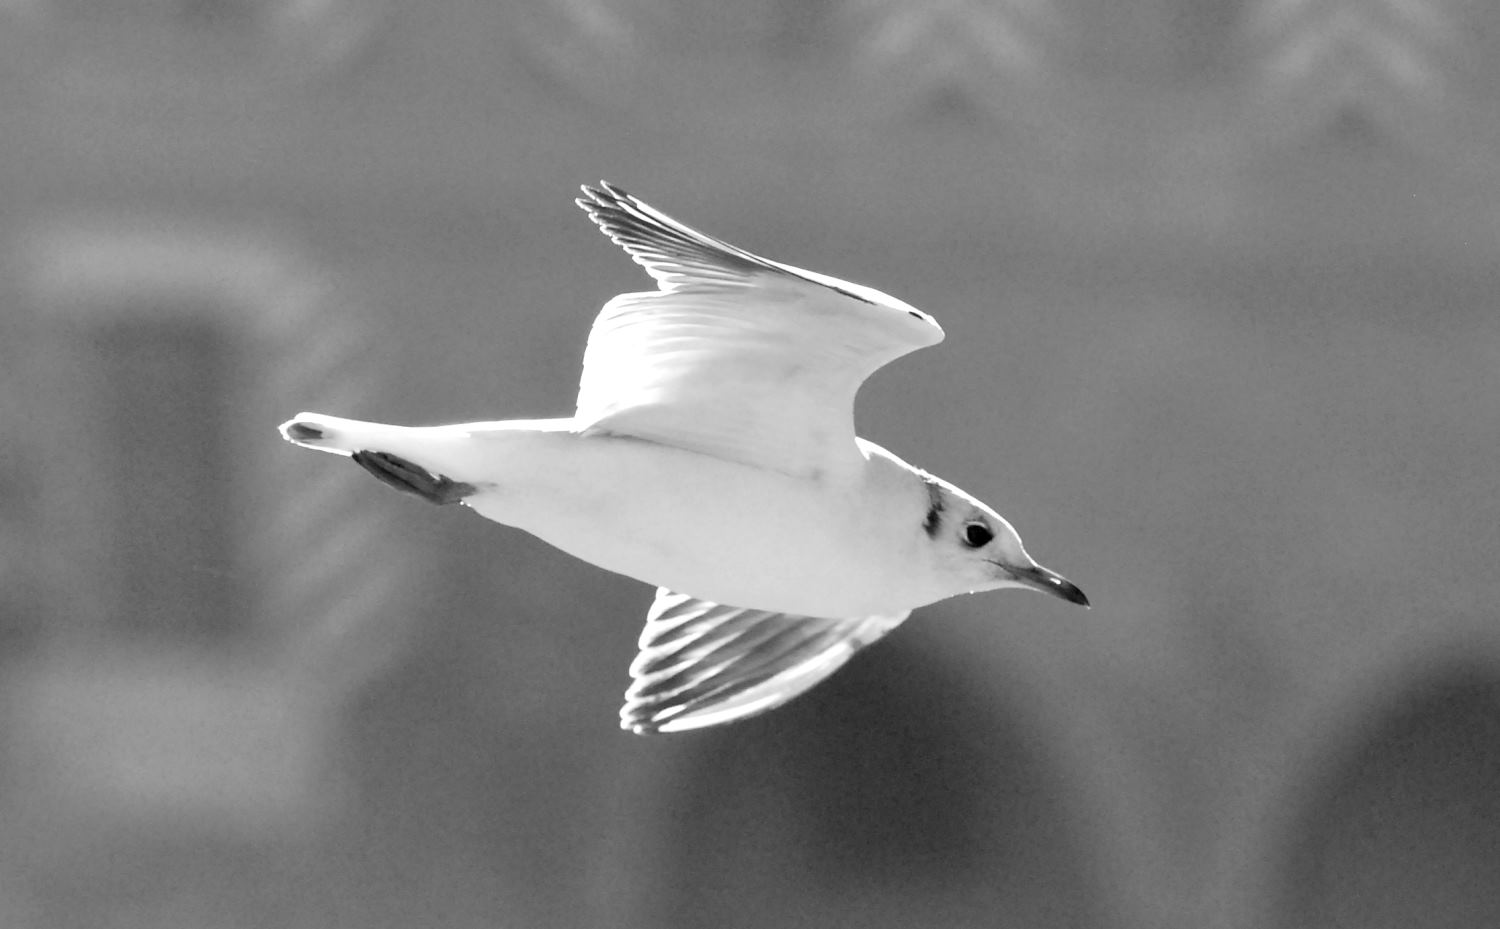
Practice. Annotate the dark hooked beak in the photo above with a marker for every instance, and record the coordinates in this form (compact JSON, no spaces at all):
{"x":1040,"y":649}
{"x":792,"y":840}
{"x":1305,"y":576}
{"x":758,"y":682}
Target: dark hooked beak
{"x":1049,"y":582}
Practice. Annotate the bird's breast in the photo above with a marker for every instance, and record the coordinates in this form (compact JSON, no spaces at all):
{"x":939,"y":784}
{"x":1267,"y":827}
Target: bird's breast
{"x":699,"y":525}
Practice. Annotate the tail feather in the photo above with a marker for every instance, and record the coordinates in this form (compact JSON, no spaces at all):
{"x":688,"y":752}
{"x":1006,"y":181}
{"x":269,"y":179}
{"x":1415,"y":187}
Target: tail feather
{"x":435,"y":448}
{"x":438,"y":463}
{"x":416,"y":460}
{"x":340,"y":436}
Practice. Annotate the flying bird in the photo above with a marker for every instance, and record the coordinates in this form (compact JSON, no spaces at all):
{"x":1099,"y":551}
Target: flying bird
{"x":712,"y":453}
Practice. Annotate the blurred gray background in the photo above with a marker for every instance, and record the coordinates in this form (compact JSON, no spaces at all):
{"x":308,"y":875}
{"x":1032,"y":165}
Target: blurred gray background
{"x":1220,"y":284}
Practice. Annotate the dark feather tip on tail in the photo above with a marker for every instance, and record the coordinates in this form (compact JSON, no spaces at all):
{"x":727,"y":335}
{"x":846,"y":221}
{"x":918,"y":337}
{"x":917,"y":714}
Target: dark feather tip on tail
{"x":302,"y":432}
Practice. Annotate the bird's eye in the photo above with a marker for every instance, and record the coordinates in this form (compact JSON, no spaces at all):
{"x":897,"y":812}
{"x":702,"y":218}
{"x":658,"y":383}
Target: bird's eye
{"x":977,"y":535}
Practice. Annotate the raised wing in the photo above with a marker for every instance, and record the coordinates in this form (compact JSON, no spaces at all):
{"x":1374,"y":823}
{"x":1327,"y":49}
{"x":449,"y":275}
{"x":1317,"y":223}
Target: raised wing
{"x":704,"y":664}
{"x":735,"y":355}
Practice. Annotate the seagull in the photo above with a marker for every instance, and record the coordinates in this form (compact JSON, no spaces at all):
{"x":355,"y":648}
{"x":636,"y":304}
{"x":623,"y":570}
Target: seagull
{"x":712,"y":454}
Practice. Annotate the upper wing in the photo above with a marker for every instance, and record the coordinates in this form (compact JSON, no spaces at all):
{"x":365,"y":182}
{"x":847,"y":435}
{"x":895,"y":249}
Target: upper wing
{"x":703,"y":664}
{"x":735,"y":356}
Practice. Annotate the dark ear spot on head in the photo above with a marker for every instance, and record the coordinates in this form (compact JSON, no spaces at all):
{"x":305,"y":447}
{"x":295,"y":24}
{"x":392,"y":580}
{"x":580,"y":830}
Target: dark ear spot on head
{"x":934,"y":519}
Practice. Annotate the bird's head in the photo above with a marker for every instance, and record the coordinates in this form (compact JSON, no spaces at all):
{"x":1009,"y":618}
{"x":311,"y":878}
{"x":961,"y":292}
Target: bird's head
{"x":974,"y":546}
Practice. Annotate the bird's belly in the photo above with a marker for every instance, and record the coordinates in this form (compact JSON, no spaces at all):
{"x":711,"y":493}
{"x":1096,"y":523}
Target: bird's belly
{"x":703,"y":526}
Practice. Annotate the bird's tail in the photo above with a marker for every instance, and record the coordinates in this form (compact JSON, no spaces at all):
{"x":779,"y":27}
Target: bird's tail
{"x":342,"y":436}
{"x":416,"y":460}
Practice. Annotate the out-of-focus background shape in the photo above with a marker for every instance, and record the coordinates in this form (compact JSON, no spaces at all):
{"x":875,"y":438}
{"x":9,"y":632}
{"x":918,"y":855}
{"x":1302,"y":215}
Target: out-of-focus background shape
{"x":1220,"y":283}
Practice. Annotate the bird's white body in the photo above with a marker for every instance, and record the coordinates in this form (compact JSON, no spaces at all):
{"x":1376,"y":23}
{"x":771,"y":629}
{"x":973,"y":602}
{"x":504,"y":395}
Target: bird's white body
{"x":717,"y":530}
{"x":712,"y":453}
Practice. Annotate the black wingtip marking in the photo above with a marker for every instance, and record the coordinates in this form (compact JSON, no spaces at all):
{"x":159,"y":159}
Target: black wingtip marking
{"x":851,"y":295}
{"x":934,"y":519}
{"x":302,"y":432}
{"x":395,"y":471}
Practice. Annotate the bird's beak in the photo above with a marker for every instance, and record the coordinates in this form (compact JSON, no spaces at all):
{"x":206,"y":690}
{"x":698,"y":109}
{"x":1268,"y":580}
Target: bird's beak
{"x":1048,"y":582}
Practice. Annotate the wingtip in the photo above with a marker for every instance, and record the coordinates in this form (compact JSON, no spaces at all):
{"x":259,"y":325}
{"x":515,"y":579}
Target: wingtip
{"x":606,"y":194}
{"x":636,"y":726}
{"x":596,"y":202}
{"x":640,"y":720}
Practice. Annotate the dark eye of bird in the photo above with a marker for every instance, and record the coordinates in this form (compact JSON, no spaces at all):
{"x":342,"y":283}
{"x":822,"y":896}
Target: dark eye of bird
{"x":977,"y":535}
